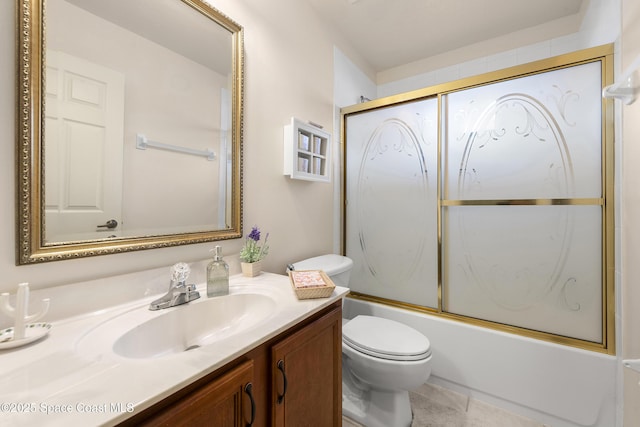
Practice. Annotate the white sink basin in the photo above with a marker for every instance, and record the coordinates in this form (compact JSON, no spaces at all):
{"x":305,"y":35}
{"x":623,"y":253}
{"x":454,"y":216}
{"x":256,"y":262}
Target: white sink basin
{"x":143,"y":334}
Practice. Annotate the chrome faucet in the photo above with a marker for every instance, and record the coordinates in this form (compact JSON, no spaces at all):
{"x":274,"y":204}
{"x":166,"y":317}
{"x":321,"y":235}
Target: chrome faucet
{"x":179,"y":292}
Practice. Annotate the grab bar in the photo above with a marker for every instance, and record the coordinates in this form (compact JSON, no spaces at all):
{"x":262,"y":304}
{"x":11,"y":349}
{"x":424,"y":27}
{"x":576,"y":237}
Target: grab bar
{"x":142,"y":143}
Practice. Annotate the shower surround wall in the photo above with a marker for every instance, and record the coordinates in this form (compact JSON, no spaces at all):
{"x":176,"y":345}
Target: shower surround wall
{"x":391,"y":156}
{"x":541,"y":380}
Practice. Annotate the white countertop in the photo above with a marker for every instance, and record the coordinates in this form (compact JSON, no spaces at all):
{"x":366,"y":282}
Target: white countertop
{"x":55,"y":382}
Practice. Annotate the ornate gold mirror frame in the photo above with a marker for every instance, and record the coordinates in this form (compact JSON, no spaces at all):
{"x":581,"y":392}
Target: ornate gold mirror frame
{"x":31,"y":245}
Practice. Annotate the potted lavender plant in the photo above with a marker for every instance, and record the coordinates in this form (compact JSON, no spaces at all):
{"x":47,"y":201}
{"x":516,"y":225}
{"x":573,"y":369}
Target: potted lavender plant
{"x":252,"y":253}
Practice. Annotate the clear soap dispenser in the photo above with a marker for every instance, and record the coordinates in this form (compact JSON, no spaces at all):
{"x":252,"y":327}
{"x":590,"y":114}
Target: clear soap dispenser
{"x":217,"y":275}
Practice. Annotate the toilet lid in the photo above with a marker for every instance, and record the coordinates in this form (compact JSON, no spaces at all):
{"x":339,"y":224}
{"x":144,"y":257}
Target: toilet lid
{"x":331,"y":264}
{"x":386,"y":339}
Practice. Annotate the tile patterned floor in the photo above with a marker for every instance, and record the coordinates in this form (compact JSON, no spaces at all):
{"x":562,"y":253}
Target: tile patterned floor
{"x":434,"y":406}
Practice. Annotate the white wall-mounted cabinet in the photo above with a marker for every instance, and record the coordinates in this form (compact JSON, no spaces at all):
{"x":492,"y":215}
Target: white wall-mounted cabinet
{"x":307,"y":152}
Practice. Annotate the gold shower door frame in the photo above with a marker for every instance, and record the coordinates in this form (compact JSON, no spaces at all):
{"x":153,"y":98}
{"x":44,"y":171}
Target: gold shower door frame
{"x":602,"y":54}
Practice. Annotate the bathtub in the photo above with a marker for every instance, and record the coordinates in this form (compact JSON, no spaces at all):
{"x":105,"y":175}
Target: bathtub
{"x":557,"y":385}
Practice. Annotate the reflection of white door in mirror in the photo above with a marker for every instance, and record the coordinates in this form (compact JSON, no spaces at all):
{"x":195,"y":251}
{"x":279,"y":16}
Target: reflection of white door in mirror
{"x":84,"y":146}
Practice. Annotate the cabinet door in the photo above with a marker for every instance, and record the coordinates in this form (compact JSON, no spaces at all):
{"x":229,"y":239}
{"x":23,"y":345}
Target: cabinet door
{"x":224,"y":402}
{"x":307,"y":375}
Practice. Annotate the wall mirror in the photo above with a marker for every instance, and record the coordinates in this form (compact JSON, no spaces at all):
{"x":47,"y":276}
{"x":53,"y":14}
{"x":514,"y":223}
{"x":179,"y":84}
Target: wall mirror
{"x":129,"y":126}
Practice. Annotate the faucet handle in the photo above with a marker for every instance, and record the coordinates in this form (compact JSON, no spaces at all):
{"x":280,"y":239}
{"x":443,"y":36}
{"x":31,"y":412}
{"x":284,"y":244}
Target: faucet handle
{"x":180,"y":272}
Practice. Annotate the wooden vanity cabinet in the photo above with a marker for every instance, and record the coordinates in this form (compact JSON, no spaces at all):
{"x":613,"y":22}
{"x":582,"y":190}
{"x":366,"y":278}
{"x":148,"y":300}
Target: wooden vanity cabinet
{"x":294,"y":379}
{"x":226,"y":401}
{"x":307,"y":375}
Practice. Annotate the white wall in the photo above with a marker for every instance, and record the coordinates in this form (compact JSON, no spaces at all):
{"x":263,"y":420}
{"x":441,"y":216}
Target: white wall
{"x":555,"y":30}
{"x":600,"y":25}
{"x":630,"y":230}
{"x":350,"y":83}
{"x":289,"y":72}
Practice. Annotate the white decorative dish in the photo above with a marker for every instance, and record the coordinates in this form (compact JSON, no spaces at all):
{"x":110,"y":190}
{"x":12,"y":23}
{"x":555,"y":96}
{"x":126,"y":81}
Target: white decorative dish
{"x":32,"y":332}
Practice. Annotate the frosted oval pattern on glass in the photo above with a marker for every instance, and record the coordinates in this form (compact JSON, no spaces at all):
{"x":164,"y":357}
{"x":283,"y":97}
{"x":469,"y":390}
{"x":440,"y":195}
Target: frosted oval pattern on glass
{"x":532,"y":138}
{"x":519,"y":131}
{"x":521,"y":212}
{"x":516,"y":259}
{"x":516,"y":255}
{"x":529,"y":138}
{"x":525,"y":266}
{"x":391,"y":202}
{"x":392,"y":175}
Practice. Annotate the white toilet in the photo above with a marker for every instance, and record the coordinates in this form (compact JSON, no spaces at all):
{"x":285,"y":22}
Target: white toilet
{"x":381,"y":359}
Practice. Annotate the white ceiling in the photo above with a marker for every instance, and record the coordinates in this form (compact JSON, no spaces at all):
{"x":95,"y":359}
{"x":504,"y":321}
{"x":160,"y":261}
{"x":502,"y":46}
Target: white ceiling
{"x":390,"y":33}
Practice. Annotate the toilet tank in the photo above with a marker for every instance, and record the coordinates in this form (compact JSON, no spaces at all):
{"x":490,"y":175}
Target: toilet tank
{"x":337,"y":267}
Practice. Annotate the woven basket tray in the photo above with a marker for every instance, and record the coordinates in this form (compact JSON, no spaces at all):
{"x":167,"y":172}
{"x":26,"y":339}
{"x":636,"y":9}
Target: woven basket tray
{"x":321,"y":285}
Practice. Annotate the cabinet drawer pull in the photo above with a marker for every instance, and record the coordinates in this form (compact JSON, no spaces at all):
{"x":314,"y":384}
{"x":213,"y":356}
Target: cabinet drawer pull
{"x":248,"y":389}
{"x":284,"y":377}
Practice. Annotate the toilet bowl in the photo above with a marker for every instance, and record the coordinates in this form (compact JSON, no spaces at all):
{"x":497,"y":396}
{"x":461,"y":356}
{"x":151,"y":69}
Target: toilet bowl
{"x":381,"y":359}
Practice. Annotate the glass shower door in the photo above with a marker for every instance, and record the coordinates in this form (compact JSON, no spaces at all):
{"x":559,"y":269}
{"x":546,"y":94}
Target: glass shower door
{"x":392,"y":202}
{"x":523,"y":202}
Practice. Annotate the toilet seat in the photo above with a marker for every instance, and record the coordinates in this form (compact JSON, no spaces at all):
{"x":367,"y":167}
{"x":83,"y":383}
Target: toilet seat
{"x":385,"y":339}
